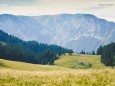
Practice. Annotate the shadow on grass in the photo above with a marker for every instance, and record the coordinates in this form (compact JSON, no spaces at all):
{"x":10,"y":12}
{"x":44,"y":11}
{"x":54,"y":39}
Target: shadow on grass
{"x":3,"y":65}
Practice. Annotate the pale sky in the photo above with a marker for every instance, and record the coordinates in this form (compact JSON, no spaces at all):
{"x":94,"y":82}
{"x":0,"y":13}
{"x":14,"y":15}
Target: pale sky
{"x":101,"y":8}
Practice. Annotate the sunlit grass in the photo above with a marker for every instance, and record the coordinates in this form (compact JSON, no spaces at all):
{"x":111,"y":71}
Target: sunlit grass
{"x":63,"y":62}
{"x":74,"y":60}
{"x":92,"y":77}
{"x":14,"y":73}
{"x":26,"y":66}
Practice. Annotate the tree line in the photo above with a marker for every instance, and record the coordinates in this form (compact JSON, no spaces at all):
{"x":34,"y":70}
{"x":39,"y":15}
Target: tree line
{"x":107,"y":53}
{"x":13,"y":48}
{"x":88,"y":53}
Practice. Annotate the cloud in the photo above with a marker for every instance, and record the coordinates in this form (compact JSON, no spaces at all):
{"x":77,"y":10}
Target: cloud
{"x":96,"y":6}
{"x":19,"y":2}
{"x":52,"y":7}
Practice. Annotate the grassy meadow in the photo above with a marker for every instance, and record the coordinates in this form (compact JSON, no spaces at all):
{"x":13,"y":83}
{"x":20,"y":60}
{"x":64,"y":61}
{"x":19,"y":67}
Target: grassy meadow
{"x":74,"y":61}
{"x":6,"y":64}
{"x":65,"y":72}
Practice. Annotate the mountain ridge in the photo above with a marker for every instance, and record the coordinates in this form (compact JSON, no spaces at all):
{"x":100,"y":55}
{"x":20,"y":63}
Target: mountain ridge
{"x":76,"y":31}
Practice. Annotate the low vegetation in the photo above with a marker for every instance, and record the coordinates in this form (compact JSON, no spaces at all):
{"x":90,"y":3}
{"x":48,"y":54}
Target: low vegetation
{"x":104,"y":77}
{"x":6,"y":64}
{"x":62,"y":73}
{"x":80,"y":61}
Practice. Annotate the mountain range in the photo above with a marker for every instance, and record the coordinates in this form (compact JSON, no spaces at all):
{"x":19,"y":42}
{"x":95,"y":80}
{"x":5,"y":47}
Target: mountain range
{"x":75,"y":31}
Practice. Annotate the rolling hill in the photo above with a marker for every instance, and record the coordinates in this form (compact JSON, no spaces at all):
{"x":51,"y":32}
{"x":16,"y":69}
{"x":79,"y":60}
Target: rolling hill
{"x":7,"y":64}
{"x":13,"y":48}
{"x":64,"y":62}
{"x":25,"y":74}
{"x":80,"y":61}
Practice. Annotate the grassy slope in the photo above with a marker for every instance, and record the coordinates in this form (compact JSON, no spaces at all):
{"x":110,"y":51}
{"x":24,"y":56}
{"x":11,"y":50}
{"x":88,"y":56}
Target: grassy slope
{"x":62,"y":63}
{"x":74,"y":60}
{"x":6,"y":64}
{"x":20,"y":74}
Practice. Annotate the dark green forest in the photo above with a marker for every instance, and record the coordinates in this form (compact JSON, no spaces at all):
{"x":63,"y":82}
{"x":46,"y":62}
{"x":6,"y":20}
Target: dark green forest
{"x":107,"y":53}
{"x":13,"y":48}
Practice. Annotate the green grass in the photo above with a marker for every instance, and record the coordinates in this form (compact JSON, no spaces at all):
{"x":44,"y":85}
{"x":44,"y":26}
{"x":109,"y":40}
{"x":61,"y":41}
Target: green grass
{"x":64,"y":62}
{"x":74,"y":61}
{"x":6,"y":64}
{"x":63,"y":73}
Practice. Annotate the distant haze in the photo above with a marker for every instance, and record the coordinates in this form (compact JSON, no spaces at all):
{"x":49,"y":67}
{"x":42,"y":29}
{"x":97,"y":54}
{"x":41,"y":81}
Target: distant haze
{"x":78,"y":32}
{"x":100,"y":8}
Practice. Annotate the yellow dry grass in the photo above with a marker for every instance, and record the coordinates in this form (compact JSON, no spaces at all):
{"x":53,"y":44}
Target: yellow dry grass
{"x":25,"y":74}
{"x":7,"y":64}
{"x":103,"y":77}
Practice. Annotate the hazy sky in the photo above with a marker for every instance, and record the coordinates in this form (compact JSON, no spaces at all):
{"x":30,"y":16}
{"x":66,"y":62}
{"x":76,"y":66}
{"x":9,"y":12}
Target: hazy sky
{"x":100,"y":8}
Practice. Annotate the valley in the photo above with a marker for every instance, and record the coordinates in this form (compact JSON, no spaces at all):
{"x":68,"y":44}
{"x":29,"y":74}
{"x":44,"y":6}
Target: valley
{"x":57,"y":43}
